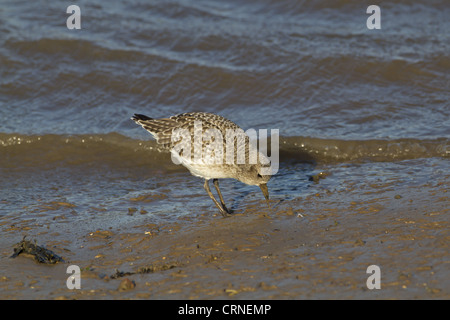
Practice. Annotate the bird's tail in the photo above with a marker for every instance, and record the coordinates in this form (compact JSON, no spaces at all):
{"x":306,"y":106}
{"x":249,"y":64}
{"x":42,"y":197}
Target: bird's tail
{"x":160,"y":129}
{"x":141,"y":117}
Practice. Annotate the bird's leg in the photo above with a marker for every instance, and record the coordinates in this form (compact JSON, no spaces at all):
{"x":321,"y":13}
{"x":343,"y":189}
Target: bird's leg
{"x":222,"y":210}
{"x":216,"y":184}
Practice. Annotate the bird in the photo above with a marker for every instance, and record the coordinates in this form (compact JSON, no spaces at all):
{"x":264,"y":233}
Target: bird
{"x":210,"y":159}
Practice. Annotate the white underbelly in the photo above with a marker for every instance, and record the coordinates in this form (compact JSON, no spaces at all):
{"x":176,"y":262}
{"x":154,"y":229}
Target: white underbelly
{"x":205,"y":170}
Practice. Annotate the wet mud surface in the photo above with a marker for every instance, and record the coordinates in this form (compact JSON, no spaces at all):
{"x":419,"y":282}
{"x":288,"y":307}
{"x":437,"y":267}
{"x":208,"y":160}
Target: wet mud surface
{"x":314,"y":247}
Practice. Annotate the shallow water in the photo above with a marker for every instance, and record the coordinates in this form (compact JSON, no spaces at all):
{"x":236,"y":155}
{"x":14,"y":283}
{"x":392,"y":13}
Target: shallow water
{"x":370,"y":108}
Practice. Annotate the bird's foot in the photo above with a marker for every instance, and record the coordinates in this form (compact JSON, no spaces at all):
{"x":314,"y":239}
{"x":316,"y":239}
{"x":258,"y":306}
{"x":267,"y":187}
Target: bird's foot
{"x":226,"y":212}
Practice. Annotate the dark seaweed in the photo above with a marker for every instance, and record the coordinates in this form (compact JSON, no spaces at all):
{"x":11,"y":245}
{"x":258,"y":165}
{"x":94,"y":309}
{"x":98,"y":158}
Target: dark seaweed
{"x":143,"y":270}
{"x":41,"y":254}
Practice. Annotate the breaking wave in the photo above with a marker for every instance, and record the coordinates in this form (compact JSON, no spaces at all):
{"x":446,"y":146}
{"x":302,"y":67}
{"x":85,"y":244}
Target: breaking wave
{"x":116,"y":150}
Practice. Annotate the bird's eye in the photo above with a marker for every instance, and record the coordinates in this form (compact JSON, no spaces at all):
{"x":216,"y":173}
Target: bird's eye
{"x":259,"y":176}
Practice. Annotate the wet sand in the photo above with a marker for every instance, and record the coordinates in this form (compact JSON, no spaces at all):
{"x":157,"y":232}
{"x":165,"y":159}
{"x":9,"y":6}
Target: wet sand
{"x":313,"y":247}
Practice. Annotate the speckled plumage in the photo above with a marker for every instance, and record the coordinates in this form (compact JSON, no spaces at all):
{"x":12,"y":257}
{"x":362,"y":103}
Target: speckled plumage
{"x":202,"y":162}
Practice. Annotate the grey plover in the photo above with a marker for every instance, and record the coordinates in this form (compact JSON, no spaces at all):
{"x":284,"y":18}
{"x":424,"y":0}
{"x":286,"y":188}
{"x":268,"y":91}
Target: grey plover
{"x":197,"y":159}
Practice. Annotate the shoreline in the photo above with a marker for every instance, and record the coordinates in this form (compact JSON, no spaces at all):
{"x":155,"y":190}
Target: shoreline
{"x":314,"y":247}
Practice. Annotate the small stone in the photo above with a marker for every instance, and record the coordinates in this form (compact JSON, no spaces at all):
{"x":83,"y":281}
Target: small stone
{"x":126,"y":284}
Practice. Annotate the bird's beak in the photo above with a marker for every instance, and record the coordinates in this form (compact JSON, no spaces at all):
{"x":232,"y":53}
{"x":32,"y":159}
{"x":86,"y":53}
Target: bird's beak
{"x":265,"y":192}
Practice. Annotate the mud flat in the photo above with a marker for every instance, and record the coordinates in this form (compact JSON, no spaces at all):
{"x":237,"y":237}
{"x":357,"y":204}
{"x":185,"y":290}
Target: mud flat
{"x":314,"y":247}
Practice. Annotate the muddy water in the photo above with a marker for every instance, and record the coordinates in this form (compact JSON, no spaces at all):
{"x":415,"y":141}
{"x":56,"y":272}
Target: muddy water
{"x":368,"y":108}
